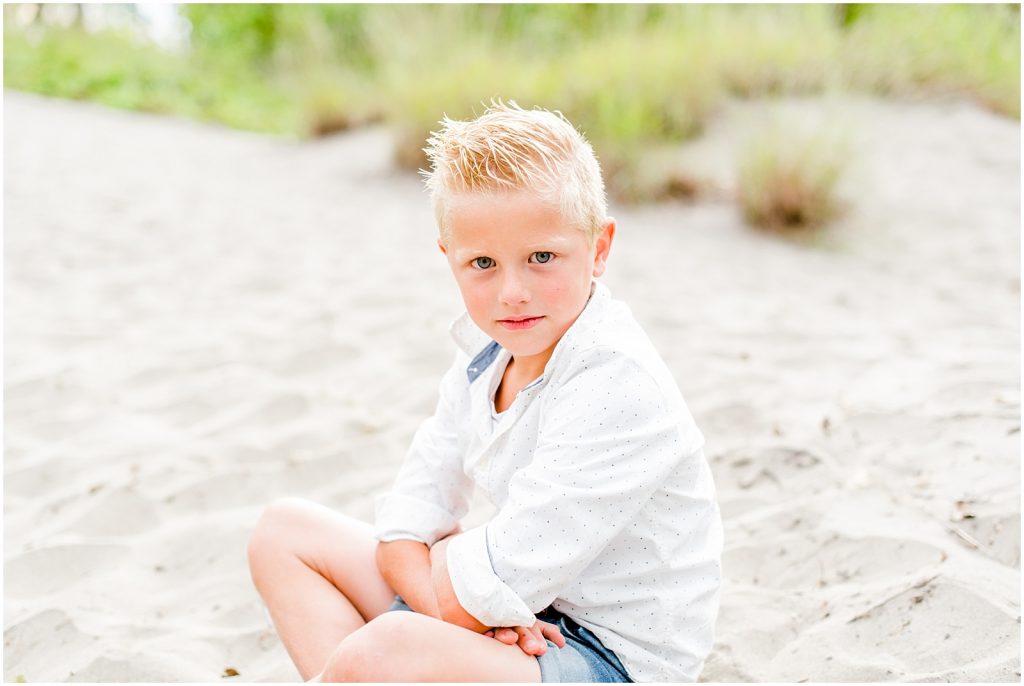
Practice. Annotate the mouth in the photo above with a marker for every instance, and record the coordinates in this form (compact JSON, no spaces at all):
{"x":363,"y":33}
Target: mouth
{"x":516,"y":323}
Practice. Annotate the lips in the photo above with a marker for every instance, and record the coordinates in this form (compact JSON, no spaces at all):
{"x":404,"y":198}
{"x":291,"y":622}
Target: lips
{"x":517,"y":323}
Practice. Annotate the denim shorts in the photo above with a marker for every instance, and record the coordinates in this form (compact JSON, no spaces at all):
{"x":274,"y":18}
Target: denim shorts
{"x":583,"y":659}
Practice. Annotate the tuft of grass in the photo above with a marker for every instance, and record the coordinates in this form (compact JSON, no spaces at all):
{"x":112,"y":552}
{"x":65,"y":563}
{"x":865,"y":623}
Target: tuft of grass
{"x":788,"y":176}
{"x":326,"y":100}
{"x":657,"y":175}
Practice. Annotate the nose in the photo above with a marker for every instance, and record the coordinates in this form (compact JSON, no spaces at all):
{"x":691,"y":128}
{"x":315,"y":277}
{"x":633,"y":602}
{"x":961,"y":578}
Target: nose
{"x":514,"y":289}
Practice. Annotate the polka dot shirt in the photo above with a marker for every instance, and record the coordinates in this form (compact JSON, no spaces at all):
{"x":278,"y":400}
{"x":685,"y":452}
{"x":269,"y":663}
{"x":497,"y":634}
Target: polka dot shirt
{"x":605,"y":506}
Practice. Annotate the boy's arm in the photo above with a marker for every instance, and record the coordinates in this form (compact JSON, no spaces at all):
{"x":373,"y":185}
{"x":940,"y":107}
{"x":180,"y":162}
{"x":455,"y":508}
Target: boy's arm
{"x":448,"y":604}
{"x":405,"y":565}
{"x":420,"y":576}
{"x":401,"y":563}
{"x":531,"y":637}
{"x":431,"y":491}
{"x":589,"y":477}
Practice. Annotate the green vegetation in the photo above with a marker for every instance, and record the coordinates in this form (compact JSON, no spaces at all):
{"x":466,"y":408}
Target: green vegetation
{"x":788,"y":175}
{"x":635,"y":78}
{"x":971,"y":50}
{"x":112,"y":68}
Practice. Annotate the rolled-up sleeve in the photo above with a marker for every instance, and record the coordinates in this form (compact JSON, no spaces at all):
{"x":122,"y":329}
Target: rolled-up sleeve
{"x":610,"y":436}
{"x":479,"y":590}
{"x":431,"y":492}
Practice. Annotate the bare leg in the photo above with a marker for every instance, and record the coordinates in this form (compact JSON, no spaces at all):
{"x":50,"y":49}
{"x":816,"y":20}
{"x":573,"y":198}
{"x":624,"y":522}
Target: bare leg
{"x":316,"y":570}
{"x":410,"y":647}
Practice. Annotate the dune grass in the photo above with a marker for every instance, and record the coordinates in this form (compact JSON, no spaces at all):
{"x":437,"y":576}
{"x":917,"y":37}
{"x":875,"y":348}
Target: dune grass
{"x":960,"y":50}
{"x":789,"y":172}
{"x":635,"y":78}
{"x":113,"y":68}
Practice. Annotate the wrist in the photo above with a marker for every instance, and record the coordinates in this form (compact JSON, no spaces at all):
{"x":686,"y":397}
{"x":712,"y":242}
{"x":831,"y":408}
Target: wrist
{"x":405,"y":566}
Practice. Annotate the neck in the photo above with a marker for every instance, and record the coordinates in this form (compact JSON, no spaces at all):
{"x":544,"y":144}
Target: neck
{"x":529,"y":368}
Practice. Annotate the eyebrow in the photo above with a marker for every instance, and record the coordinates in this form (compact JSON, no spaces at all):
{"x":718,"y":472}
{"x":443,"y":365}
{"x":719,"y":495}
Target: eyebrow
{"x":557,"y":242}
{"x":468,"y":253}
{"x":554,"y":244}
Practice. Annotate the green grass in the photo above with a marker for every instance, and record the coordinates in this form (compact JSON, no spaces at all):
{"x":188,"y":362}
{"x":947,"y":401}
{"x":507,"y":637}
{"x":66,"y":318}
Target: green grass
{"x":764,"y":50}
{"x":634,"y":78}
{"x":964,"y":50}
{"x":113,"y":69}
{"x":788,"y":175}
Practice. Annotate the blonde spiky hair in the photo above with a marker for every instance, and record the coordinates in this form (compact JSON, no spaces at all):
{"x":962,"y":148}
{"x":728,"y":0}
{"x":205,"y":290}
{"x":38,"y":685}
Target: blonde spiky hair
{"x":508,"y":149}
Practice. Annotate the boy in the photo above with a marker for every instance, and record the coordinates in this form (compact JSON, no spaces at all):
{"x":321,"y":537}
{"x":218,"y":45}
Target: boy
{"x":602,"y":560}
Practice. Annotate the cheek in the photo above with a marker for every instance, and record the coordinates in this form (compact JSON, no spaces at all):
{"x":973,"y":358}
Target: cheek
{"x":475,"y":292}
{"x":557,"y":293}
{"x":567,"y":287}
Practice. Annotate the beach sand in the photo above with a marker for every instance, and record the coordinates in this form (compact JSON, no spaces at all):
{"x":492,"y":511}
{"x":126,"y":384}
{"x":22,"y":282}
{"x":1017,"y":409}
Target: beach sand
{"x":199,"y":321}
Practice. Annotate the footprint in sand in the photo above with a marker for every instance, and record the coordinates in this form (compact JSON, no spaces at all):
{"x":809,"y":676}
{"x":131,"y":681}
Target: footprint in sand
{"x":805,"y":561}
{"x":928,"y":631}
{"x":996,"y":535}
{"x":747,"y":479}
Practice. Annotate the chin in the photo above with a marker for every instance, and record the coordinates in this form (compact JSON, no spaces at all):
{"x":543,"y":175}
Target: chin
{"x":522,"y":350}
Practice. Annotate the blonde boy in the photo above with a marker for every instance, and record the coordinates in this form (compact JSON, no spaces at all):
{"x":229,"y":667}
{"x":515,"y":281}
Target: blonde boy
{"x":602,"y":560}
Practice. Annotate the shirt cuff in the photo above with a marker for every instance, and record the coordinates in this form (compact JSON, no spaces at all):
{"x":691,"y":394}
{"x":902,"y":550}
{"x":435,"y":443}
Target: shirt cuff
{"x":479,"y":590}
{"x":402,"y":517}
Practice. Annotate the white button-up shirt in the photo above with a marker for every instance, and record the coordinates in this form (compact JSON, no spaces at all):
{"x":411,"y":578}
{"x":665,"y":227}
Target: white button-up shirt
{"x":605,"y":503}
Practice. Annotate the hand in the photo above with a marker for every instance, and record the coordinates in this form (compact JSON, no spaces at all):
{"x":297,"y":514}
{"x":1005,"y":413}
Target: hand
{"x":530,"y":639}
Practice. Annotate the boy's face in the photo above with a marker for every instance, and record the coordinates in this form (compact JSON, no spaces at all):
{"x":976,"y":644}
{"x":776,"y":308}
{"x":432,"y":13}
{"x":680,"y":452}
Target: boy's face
{"x":524,"y":273}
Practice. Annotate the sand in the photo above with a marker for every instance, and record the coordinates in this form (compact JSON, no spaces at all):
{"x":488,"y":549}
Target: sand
{"x":199,"y":321}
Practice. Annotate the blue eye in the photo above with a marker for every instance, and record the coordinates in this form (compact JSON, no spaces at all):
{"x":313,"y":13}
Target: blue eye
{"x":542,"y":257}
{"x":483,"y":263}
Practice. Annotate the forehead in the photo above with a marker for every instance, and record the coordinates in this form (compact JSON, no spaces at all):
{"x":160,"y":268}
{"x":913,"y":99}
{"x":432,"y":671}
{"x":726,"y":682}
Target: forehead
{"x":507,"y":219}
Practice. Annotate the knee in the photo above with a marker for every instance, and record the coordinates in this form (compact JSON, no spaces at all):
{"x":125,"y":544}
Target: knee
{"x":354,"y":660}
{"x":271,"y":534}
{"x":382,"y":650}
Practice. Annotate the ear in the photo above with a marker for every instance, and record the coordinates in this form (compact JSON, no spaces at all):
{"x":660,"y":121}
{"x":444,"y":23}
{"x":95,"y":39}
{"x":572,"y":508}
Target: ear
{"x":440,"y":244}
{"x":603,"y":246}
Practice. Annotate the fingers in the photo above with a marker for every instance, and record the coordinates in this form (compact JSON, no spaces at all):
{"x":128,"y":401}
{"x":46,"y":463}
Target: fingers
{"x":551,"y":633}
{"x":506,"y":635}
{"x":531,"y":642}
